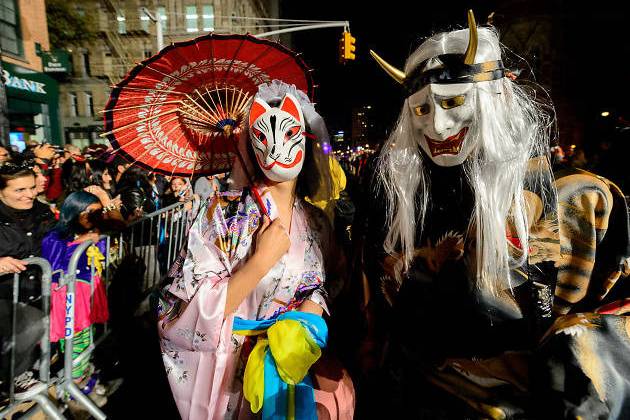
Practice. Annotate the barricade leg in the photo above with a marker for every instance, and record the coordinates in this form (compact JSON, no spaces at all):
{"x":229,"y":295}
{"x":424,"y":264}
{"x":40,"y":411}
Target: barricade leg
{"x":82,"y":399}
{"x":48,"y":407}
{"x":68,"y":384}
{"x":37,"y":395}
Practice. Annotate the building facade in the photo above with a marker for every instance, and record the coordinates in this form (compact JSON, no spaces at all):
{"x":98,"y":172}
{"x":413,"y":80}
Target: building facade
{"x":362,"y":126}
{"x":32,"y":97}
{"x":128,"y":35}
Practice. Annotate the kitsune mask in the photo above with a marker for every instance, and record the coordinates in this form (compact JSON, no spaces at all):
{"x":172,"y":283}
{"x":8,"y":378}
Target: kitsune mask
{"x":277,"y":136}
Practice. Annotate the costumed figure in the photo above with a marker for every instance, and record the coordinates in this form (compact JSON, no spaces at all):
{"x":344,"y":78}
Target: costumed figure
{"x":241,"y":323}
{"x":473,"y":250}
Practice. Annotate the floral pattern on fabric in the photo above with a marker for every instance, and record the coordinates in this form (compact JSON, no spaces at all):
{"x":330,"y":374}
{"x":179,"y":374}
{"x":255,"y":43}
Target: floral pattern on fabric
{"x":201,"y":355}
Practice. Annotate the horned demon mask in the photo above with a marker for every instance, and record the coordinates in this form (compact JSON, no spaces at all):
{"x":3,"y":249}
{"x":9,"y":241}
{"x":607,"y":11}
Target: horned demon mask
{"x":441,"y":98}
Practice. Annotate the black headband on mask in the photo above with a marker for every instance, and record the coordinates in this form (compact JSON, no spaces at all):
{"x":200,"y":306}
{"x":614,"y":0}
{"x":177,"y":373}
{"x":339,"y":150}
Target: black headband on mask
{"x":454,"y":71}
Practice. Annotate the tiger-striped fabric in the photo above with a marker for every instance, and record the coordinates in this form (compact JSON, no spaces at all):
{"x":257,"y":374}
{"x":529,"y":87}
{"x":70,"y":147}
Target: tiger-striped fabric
{"x":585,"y":203}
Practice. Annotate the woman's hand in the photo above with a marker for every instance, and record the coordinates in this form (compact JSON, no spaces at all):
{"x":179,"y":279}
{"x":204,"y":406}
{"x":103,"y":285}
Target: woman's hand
{"x":11,"y":265}
{"x":100,"y":193}
{"x":94,"y":236}
{"x":58,"y":161}
{"x":272,"y":242}
{"x":116,"y":201}
{"x":44,"y":151}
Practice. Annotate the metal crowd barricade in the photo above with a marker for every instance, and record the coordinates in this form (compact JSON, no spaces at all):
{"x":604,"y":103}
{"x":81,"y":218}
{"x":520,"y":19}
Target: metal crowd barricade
{"x":40,"y":394}
{"x":67,"y":383}
{"x":157,"y":239}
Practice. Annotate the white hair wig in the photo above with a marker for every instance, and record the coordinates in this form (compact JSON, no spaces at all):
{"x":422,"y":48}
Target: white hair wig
{"x":509,"y":127}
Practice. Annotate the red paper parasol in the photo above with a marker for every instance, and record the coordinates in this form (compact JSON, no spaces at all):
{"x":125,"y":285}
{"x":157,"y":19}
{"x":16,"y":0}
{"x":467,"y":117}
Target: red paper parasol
{"x":180,"y":111}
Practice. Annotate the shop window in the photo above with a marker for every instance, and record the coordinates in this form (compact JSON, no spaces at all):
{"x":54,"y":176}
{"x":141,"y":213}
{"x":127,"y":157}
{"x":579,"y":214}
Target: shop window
{"x":74,"y":104}
{"x":208,"y":18}
{"x":10,"y":28}
{"x":191,"y":19}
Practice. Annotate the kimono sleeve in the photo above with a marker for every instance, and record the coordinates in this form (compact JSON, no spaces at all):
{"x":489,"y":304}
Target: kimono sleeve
{"x":203,"y":278}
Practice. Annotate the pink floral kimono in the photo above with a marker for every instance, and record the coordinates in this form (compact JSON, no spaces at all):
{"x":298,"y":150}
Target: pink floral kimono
{"x":201,"y":355}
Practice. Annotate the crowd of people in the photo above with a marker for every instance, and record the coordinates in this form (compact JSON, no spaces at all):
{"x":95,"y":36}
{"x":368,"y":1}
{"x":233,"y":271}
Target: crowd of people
{"x":52,"y":200}
{"x":466,"y":272}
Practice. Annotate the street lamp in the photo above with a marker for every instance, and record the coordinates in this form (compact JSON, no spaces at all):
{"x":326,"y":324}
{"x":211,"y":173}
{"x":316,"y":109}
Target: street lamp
{"x":605,"y":114}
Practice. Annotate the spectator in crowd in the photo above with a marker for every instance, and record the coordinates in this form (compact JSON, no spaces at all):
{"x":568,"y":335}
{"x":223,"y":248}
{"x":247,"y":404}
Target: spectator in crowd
{"x":80,"y":220}
{"x":5,"y":156}
{"x":95,"y":151}
{"x":208,"y":186}
{"x":180,"y":190}
{"x":118,"y":165}
{"x":132,"y":205}
{"x":41,"y":186}
{"x":23,"y":220}
{"x":23,"y":223}
{"x":136,"y":177}
{"x":46,"y":157}
{"x":41,"y":153}
{"x":99,"y":175}
{"x":54,"y":189}
{"x":74,"y":176}
{"x":72,"y":152}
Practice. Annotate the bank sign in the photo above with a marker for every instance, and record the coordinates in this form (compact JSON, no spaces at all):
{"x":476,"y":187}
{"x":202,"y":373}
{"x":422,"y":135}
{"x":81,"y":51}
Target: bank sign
{"x":16,"y":82}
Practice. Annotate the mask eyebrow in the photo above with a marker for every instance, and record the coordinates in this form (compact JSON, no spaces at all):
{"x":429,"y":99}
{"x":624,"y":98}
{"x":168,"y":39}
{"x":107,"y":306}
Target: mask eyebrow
{"x":285,"y":123}
{"x":293,"y":145}
{"x":263,"y":125}
{"x":441,"y":97}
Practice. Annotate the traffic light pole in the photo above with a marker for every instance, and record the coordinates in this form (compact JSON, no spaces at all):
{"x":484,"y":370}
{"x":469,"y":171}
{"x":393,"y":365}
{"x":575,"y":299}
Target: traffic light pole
{"x":332,"y":24}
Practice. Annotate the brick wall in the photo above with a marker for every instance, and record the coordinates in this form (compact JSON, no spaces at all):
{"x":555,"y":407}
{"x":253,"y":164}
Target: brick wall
{"x":33,"y":29}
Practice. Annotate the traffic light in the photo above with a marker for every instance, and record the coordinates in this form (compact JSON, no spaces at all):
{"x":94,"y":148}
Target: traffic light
{"x":346,"y":47}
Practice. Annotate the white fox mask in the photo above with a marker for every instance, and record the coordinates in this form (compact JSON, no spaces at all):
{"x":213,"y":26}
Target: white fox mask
{"x":277,"y":136}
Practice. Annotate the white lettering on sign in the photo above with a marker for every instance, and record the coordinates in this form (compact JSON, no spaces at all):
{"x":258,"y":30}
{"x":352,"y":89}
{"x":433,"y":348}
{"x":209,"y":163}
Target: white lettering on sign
{"x":23,"y":84}
{"x":69,"y":320}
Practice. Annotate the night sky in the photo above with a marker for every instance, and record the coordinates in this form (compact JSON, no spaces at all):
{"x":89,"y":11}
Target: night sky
{"x":595,"y":50}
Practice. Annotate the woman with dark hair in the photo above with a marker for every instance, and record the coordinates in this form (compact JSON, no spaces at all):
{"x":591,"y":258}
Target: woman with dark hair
{"x":98,"y":174}
{"x":132,"y":202}
{"x":80,"y":218}
{"x":180,"y":189}
{"x":74,"y":175}
{"x":23,"y":220}
{"x":136,"y":177}
{"x":257,"y":258}
{"x":23,"y":223}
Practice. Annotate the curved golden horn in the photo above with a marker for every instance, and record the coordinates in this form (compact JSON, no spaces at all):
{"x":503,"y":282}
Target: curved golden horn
{"x":471,"y":51}
{"x":395,"y":73}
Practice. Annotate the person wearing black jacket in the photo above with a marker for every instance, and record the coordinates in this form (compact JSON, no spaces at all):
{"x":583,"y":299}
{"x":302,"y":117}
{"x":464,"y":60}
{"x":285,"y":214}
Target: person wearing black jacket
{"x":23,"y":223}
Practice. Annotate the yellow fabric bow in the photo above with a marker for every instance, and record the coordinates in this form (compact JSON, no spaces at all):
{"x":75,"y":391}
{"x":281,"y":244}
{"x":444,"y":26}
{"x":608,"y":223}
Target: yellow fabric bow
{"x":95,"y":257}
{"x":294,"y":352}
